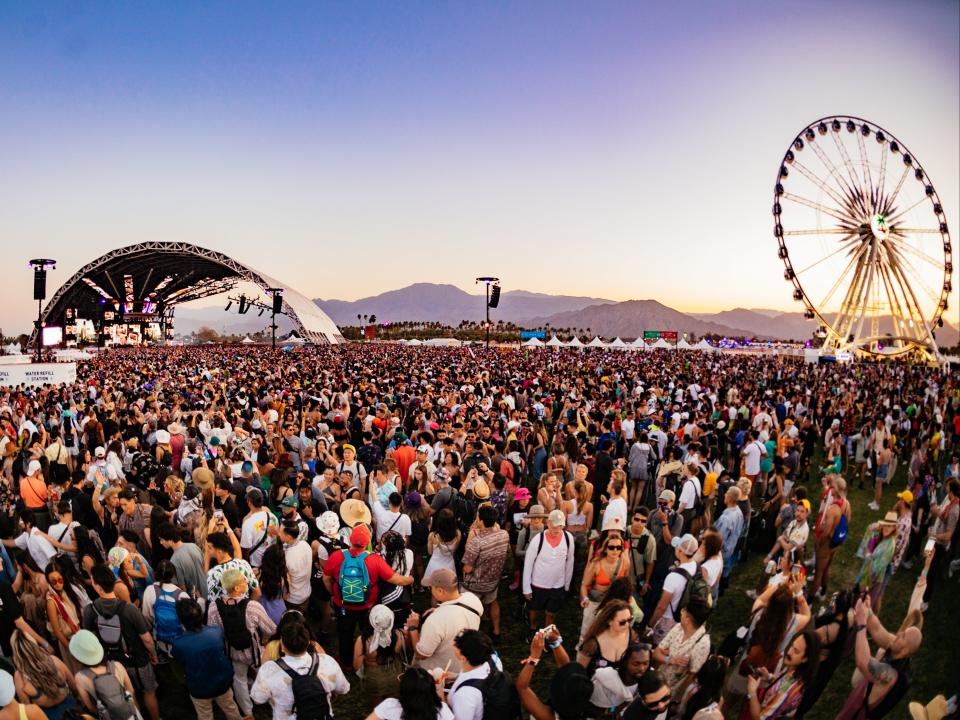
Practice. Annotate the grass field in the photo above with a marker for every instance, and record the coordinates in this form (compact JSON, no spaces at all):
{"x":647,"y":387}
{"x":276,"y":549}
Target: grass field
{"x":936,"y":667}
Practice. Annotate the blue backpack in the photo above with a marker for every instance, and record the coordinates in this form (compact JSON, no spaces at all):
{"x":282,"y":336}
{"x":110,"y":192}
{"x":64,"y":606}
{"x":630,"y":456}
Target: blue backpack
{"x":354,"y":579}
{"x":166,"y":624}
{"x":840,"y":531}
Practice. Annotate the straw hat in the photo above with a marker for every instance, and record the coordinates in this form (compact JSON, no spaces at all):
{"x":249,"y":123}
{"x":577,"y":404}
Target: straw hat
{"x":936,"y":709}
{"x":175,"y":428}
{"x":85,"y":647}
{"x":481,"y":491}
{"x":202,"y":478}
{"x":889,"y":519}
{"x":354,"y":511}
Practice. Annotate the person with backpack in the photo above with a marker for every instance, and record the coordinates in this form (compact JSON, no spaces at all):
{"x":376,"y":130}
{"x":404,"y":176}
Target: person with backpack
{"x":667,"y":612}
{"x":302,"y":683}
{"x":103,"y":686}
{"x":125,"y":636}
{"x":255,"y":533}
{"x":352,"y":577}
{"x":482,"y":690}
{"x":548,"y":570}
{"x":690,"y":505}
{"x":207,"y":671}
{"x":160,"y":605}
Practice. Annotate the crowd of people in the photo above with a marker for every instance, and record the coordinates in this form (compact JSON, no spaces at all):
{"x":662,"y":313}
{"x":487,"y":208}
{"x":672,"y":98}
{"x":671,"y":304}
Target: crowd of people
{"x":284,"y":528}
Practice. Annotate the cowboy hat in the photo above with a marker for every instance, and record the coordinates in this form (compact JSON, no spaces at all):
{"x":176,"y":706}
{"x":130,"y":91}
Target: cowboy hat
{"x":354,"y":511}
{"x":481,"y":491}
{"x":175,"y":428}
{"x":936,"y":709}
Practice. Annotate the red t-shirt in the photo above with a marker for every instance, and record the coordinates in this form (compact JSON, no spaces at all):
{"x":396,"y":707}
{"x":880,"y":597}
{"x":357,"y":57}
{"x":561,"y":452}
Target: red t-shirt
{"x":377,"y":569}
{"x":404,"y":456}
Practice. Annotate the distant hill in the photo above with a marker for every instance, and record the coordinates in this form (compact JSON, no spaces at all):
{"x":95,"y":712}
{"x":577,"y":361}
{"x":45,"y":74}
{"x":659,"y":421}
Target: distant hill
{"x":632,"y":317}
{"x":449,"y":304}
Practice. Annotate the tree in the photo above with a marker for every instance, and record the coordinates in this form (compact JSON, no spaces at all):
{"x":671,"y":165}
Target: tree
{"x":207,"y":334}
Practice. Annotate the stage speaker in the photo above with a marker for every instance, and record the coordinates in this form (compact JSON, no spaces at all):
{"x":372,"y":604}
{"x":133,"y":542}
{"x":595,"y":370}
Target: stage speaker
{"x":278,"y":303}
{"x":39,"y":284}
{"x":494,"y":296}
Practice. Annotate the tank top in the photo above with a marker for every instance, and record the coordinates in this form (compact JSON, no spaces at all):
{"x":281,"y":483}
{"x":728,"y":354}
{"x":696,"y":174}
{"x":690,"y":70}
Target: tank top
{"x":576,"y":517}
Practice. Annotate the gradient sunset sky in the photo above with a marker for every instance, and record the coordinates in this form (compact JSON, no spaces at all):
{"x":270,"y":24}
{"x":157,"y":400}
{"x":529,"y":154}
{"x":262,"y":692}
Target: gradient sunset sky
{"x":622,"y":150}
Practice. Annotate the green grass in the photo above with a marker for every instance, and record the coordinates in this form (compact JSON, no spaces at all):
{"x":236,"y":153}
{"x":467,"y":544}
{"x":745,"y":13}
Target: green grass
{"x":935,"y":666}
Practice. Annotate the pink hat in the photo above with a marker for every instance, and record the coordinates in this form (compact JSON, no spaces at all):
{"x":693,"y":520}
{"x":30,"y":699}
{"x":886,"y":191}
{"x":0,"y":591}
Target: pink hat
{"x":522,"y":494}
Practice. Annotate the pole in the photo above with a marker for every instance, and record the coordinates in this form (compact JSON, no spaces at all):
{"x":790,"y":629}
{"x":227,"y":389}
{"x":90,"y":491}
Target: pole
{"x":273,"y":328}
{"x":488,"y":315}
{"x":39,"y":329}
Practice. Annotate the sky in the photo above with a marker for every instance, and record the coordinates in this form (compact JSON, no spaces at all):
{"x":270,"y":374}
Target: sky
{"x":618,"y":150}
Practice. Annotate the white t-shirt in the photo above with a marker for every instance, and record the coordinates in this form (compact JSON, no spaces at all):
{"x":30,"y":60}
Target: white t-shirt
{"x":752,"y":454}
{"x":467,"y":702}
{"x":64,"y":534}
{"x":252,"y":530}
{"x":609,"y":690}
{"x":713,"y":566}
{"x":675,"y":583}
{"x":40,"y":550}
{"x":390,"y":709}
{"x":299,"y":558}
{"x":688,"y":493}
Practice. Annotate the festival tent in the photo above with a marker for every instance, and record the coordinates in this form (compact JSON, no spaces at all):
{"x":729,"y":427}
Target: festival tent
{"x":618,"y":343}
{"x":533,"y":342}
{"x":246,"y":341}
{"x":443,"y":342}
{"x":575,"y":342}
{"x":662,"y":344}
{"x":684,"y":345}
{"x":596,"y":342}
{"x":638,"y":344}
{"x":414,"y":342}
{"x":294,"y":340}
{"x":554,"y":342}
{"x":703,"y":345}
{"x":12,"y":349}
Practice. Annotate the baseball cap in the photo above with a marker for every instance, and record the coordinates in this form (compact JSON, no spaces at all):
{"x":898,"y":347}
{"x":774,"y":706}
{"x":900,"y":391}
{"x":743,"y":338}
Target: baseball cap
{"x":668,"y":495}
{"x":556,"y":518}
{"x":348,"y":446}
{"x":424,"y":449}
{"x":34,"y":467}
{"x":805,"y":504}
{"x":906,"y":496}
{"x":360,"y":536}
{"x":442,"y":578}
{"x":290,"y":501}
{"x":687,"y":544}
{"x":99,"y":452}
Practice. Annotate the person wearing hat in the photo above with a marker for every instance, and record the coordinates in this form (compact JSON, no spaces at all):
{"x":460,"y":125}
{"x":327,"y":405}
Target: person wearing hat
{"x":255,"y":532}
{"x":904,"y":510}
{"x":290,"y":511}
{"x":34,"y":494}
{"x":433,"y":637}
{"x":86,"y":650}
{"x":936,"y":709}
{"x":352,"y":597}
{"x":795,"y":534}
{"x":877,"y":549}
{"x":424,"y":459}
{"x":666,"y":614}
{"x":664,"y":524}
{"x":178,"y":442}
{"x":548,"y":568}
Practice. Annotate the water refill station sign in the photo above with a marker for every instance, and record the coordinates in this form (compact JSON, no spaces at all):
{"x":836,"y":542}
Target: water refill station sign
{"x":37,"y":374}
{"x":657,"y":334}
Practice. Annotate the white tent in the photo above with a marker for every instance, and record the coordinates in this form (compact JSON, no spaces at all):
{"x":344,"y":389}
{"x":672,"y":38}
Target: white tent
{"x":443,"y":342}
{"x":596,"y":342}
{"x":618,"y":343}
{"x":662,"y":344}
{"x":12,"y":349}
{"x":533,"y":342}
{"x":703,"y":345}
{"x":684,"y":345}
{"x":246,"y":341}
{"x":575,"y":342}
{"x":554,"y":342}
{"x":294,"y":340}
{"x":638,"y":344}
{"x":414,"y":342}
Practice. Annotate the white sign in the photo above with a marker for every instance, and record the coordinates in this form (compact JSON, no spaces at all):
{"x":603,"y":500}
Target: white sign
{"x":16,"y":359}
{"x":37,"y":374}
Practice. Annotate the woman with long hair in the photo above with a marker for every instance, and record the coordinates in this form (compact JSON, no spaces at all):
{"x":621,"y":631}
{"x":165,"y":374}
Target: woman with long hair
{"x":710,"y":557}
{"x":418,"y":700}
{"x":610,"y":563}
{"x":379,"y":651}
{"x":89,"y":553}
{"x":779,"y":695}
{"x":701,"y":701}
{"x":63,"y":613}
{"x":419,"y":533}
{"x":423,"y":481}
{"x":607,"y":638}
{"x":442,"y":542}
{"x":41,"y":678}
{"x":157,"y":551}
{"x":397,"y":597}
{"x":274,"y":581}
{"x":30,"y":585}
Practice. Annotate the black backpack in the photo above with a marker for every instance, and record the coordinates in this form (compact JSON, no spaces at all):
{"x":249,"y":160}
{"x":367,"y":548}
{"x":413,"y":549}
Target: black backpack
{"x":464,"y":510}
{"x":310,"y":700}
{"x":501,"y":701}
{"x":234,"y":620}
{"x":696,"y":587}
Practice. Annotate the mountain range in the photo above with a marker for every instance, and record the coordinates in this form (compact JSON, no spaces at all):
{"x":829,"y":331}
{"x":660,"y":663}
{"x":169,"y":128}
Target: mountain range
{"x":450,"y":305}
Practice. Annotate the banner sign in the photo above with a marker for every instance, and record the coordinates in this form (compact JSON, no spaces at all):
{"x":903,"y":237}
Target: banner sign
{"x":669,"y":334}
{"x":528,"y":334}
{"x":37,"y":374}
{"x":651,"y":334}
{"x":655,"y":334}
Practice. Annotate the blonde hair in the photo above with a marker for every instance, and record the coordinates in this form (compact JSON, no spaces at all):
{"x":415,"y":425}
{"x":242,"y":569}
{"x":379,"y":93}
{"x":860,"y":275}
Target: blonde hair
{"x":230,"y":579}
{"x":745,"y":484}
{"x":35,"y":665}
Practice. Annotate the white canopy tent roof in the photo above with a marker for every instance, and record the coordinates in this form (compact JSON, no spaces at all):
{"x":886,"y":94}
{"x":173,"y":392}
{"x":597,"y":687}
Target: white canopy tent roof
{"x":554,"y":342}
{"x":246,"y":341}
{"x":294,"y":340}
{"x":12,"y":349}
{"x":638,"y":344}
{"x":414,"y":342}
{"x":684,"y":345}
{"x":662,"y":344}
{"x":596,"y":342}
{"x":533,"y":342}
{"x":443,"y":342}
{"x":704,"y":345}
{"x":618,"y":343}
{"x":574,"y":342}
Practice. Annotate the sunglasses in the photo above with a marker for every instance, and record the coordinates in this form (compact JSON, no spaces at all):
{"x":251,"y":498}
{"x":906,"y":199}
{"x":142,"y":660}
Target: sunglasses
{"x":622,"y":623}
{"x":640,"y":519}
{"x":659,"y":702}
{"x":614,"y":547}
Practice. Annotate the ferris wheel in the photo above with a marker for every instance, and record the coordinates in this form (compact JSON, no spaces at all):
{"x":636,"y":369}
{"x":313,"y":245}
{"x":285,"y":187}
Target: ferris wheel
{"x":864,"y":238}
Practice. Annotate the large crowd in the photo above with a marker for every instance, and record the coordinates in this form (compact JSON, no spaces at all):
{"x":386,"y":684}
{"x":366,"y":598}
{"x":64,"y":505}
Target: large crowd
{"x":283,"y":528}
